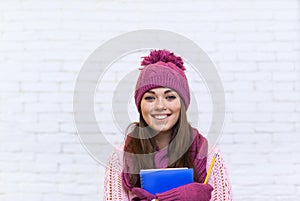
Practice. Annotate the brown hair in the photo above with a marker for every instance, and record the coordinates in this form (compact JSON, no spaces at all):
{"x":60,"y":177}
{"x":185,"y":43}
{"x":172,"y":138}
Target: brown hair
{"x":141,"y":145}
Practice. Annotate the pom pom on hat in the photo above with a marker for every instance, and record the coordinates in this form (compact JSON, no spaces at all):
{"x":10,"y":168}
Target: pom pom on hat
{"x":164,"y":56}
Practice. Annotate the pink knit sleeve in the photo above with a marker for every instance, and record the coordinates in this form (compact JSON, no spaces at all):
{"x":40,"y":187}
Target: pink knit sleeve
{"x":219,"y":179}
{"x":113,"y":189}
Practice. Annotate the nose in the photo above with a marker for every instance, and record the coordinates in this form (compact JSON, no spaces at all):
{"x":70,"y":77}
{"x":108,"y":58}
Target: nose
{"x":160,"y":104}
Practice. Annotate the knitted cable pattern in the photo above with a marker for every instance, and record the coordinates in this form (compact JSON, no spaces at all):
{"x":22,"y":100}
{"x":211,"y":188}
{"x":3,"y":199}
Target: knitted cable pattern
{"x":218,"y":179}
{"x":113,"y":189}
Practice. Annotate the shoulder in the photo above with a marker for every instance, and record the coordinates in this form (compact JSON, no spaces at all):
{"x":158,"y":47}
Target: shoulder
{"x":198,"y":137}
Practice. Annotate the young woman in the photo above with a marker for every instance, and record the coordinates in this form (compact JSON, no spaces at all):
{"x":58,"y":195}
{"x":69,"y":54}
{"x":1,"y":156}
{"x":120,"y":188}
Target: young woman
{"x":163,"y":138}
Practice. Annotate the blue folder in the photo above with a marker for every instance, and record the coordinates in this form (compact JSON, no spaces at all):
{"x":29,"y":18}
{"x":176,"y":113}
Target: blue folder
{"x":161,"y":180}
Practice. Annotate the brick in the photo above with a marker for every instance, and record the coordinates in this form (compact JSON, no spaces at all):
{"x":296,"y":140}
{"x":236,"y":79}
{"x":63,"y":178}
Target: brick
{"x":271,"y":127}
{"x":73,"y":148}
{"x":57,"y":137}
{"x":39,"y":187}
{"x":69,"y":189}
{"x":41,"y":147}
{"x":251,"y":76}
{"x":242,"y":107}
{"x":252,"y":117}
{"x":252,"y":97}
{"x":16,"y":156}
{"x":286,"y":76}
{"x":66,"y":107}
{"x":286,"y":116}
{"x":76,"y":168}
{"x":282,"y":137}
{"x":283,"y":86}
{"x":287,"y":36}
{"x":19,"y":196}
{"x":258,"y":56}
{"x":45,"y":157}
{"x":240,"y":127}
{"x":58,"y":76}
{"x":224,"y":56}
{"x":67,"y":127}
{"x":40,"y":127}
{"x":276,"y":25}
{"x":287,"y":56}
{"x":240,"y":86}
{"x":28,"y":97}
{"x":41,"y":168}
{"x":38,"y":86}
{"x":276,"y":107}
{"x":11,"y":45}
{"x":251,"y":138}
{"x":276,"y":5}
{"x":83,"y":158}
{"x":264,"y":86}
{"x":255,"y":36}
{"x":55,"y":97}
{"x":61,"y":197}
{"x":8,"y":166}
{"x":41,"y":107}
{"x":9,"y":87}
{"x":225,"y":77}
{"x":67,"y":87}
{"x":58,"y":178}
{"x":10,"y":147}
{"x":226,"y":138}
{"x":62,"y":117}
{"x":290,"y":14}
{"x":238,"y":67}
{"x":287,"y":96}
{"x":282,"y":67}
{"x":278,"y":46}
{"x":278,"y":189}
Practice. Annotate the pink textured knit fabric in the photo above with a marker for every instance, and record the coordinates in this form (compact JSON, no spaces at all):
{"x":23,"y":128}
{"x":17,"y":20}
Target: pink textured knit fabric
{"x":163,"y":73}
{"x":161,"y":158}
{"x":190,"y":192}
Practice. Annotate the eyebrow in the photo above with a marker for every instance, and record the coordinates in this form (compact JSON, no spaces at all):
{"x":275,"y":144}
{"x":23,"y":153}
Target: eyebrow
{"x":167,"y":91}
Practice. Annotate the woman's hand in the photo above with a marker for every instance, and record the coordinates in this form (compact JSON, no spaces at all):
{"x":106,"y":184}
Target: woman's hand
{"x":190,"y":192}
{"x":143,"y":194}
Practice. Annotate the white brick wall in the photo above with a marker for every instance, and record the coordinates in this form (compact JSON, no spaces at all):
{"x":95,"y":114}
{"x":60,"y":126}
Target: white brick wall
{"x":43,"y":44}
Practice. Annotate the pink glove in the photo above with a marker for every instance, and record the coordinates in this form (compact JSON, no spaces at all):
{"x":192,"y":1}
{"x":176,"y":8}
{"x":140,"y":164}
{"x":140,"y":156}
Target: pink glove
{"x":143,"y":194}
{"x":190,"y":192}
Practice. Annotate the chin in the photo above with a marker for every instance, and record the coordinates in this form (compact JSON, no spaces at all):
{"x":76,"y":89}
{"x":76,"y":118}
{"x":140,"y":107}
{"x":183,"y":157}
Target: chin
{"x":161,"y":129}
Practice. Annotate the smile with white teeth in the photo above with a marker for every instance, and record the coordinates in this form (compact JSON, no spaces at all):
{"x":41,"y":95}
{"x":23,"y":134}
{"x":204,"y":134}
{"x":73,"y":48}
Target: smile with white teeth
{"x":160,"y":117}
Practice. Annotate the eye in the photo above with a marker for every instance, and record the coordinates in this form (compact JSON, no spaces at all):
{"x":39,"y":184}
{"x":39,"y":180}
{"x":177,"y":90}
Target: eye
{"x":149,"y":98}
{"x":171,"y":97}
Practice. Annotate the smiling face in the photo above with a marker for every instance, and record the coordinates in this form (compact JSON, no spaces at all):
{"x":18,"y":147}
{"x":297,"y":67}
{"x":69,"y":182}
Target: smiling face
{"x":160,"y":108}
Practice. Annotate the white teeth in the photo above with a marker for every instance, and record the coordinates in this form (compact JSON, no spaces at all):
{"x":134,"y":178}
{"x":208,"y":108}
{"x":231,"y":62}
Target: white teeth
{"x":160,"y":116}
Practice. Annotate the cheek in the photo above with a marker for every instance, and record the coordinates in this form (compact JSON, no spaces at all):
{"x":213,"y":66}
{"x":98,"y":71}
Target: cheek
{"x":177,"y":116}
{"x":174,"y":106}
{"x":176,"y":110}
{"x":145,"y":109}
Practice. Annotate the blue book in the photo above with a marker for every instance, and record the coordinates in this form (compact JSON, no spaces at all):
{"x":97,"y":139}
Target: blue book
{"x":161,"y":180}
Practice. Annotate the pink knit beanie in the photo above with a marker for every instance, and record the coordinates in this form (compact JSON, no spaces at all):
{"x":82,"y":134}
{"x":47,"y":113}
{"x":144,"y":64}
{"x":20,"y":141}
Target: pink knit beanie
{"x":162,"y":69}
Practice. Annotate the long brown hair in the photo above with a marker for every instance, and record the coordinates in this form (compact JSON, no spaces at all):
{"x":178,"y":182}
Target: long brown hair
{"x":141,"y":146}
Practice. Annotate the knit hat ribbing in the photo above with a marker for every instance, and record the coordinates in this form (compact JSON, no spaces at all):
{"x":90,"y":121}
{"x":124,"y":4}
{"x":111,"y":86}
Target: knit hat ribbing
{"x":162,"y":69}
